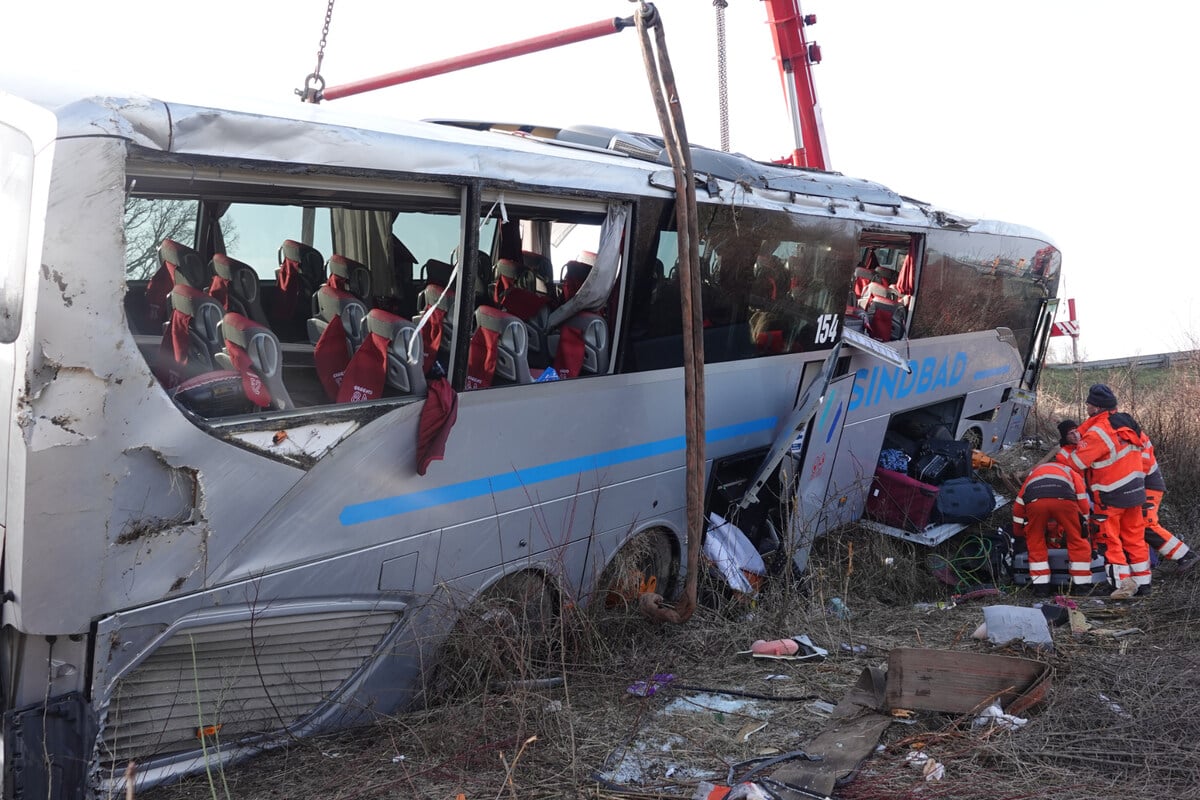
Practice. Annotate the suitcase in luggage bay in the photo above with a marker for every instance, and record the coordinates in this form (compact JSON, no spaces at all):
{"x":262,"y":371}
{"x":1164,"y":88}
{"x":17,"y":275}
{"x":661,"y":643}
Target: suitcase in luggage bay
{"x":1060,"y":574}
{"x":956,"y":453}
{"x":900,"y":501}
{"x":931,"y":468}
{"x":964,"y":500}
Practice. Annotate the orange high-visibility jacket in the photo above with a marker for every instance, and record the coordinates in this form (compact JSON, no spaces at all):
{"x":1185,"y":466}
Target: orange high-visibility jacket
{"x":1109,"y":455}
{"x":1049,"y":481}
{"x":1154,"y":476}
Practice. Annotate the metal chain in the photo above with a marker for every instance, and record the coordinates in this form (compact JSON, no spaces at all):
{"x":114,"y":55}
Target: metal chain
{"x":722,"y":86}
{"x":324,"y":36}
{"x":314,"y":84}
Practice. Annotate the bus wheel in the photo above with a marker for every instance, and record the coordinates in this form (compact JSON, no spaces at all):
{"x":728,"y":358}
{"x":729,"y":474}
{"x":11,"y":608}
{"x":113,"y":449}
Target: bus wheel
{"x":646,"y":563}
{"x":973,"y":437}
{"x":509,"y":634}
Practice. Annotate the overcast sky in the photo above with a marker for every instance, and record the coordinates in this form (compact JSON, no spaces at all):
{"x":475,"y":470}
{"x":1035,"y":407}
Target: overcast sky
{"x":1064,"y":116}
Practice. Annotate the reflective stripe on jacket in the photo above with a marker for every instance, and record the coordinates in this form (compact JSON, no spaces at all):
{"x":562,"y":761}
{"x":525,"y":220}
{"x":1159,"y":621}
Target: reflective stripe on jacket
{"x":1051,"y":480}
{"x":1154,"y":476}
{"x":1110,"y":457}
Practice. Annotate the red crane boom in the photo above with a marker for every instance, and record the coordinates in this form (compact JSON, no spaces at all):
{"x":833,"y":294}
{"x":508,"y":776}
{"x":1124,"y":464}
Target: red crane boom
{"x":796,"y":57}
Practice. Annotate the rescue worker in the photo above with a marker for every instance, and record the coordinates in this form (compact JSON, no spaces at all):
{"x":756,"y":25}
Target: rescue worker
{"x":1068,"y":437}
{"x":1109,"y":456}
{"x":1054,"y":496}
{"x":1169,"y":546}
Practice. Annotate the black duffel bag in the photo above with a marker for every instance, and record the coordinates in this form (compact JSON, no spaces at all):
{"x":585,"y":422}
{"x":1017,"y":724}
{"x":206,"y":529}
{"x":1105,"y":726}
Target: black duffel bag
{"x":964,"y":500}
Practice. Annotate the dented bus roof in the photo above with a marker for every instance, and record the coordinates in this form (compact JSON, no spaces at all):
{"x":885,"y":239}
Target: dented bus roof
{"x":574,"y":158}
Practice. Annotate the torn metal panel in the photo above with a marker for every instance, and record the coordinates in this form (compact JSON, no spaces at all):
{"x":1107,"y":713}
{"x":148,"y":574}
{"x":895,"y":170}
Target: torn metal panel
{"x":304,"y":442}
{"x":65,"y":411}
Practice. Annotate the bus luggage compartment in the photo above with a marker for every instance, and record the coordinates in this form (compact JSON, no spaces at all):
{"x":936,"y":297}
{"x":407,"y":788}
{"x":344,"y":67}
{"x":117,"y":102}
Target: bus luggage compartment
{"x":900,"y":501}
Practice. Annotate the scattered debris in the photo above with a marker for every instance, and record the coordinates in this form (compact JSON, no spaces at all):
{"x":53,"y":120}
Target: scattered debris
{"x":1005,"y":624}
{"x":954,"y":682}
{"x":796,"y":648}
{"x":749,"y":729}
{"x":648,"y":688}
{"x":1116,"y":707}
{"x":994,"y":715}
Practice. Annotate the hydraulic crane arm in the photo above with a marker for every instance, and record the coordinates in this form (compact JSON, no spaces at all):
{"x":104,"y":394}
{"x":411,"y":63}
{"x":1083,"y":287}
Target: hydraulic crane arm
{"x":796,"y":57}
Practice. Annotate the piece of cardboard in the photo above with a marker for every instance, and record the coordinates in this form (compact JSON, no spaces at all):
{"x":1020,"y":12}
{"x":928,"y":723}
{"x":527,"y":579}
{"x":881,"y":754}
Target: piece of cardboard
{"x":959,"y":683}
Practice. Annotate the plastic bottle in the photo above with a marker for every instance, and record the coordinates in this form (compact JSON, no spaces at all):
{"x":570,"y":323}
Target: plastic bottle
{"x":838,"y":609}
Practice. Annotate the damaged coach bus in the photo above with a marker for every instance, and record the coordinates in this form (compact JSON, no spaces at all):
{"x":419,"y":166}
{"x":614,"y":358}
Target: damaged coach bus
{"x":222,"y":526}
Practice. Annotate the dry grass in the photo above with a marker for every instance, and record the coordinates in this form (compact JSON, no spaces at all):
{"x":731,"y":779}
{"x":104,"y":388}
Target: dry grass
{"x":594,"y":739}
{"x":1122,"y":719}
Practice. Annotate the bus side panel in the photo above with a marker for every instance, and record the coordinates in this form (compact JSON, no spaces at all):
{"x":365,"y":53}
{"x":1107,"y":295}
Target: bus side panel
{"x":123,"y":500}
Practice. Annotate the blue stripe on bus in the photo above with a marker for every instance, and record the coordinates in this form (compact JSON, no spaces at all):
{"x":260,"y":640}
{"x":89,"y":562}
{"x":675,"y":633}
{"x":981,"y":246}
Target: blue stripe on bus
{"x":991,"y":373}
{"x":833,"y":426}
{"x":481,"y":487}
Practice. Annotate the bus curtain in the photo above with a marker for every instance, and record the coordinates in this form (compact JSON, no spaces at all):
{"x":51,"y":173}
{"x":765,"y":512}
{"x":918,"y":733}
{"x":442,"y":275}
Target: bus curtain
{"x":438,"y":416}
{"x":906,"y":281}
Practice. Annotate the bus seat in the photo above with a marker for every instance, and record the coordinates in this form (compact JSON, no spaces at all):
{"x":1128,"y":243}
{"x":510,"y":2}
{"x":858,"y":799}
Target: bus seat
{"x":576,"y":272}
{"x":881,"y":318}
{"x":580,"y":346}
{"x":336,"y":333}
{"x":177,"y":263}
{"x":191,"y":337}
{"x":334,"y":303}
{"x":499,"y":349}
{"x":382,"y":360}
{"x":204,"y":314}
{"x":235,"y":284}
{"x":510,"y":275}
{"x":301,"y":270}
{"x":253,"y":350}
{"x":877,"y":290}
{"x":349,"y":276}
{"x":542,"y":270}
{"x":862,"y":278}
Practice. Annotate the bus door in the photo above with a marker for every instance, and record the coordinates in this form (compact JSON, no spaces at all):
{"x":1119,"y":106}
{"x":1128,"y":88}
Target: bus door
{"x":1023,"y":398}
{"x":829,"y":478}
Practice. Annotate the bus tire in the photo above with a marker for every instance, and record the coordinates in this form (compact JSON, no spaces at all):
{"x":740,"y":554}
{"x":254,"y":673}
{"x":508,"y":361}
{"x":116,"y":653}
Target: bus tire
{"x":508,"y":634}
{"x":974,"y":437}
{"x":648,"y":562}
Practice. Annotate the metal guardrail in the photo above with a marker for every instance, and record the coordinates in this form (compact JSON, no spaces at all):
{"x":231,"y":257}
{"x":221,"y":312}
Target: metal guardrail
{"x":1161,"y":360}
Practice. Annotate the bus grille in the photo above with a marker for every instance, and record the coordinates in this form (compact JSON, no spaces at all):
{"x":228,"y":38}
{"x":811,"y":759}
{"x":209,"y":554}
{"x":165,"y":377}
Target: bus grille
{"x":234,"y":680}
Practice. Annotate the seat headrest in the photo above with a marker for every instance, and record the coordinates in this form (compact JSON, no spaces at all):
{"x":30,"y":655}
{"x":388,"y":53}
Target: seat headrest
{"x":331,"y":301}
{"x":437,"y":271}
{"x":238,"y":328}
{"x":312,"y":263}
{"x":495,"y":318}
{"x":225,"y":267}
{"x":507,"y":268}
{"x":538,"y":264}
{"x":343,"y":267}
{"x":189,"y":266}
{"x":433,"y":294}
{"x":186,"y":299}
{"x":386,"y":324}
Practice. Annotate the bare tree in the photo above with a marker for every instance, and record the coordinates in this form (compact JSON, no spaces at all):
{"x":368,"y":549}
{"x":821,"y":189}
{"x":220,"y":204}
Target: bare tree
{"x":148,"y":221}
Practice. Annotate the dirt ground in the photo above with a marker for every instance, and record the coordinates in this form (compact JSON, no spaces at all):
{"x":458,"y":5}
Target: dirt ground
{"x":1121,"y":718}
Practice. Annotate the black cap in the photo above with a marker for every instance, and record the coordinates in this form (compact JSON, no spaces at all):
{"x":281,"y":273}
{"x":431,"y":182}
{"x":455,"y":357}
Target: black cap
{"x":1101,"y":396}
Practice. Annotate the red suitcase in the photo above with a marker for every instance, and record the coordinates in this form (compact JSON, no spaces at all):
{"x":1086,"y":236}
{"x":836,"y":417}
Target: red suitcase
{"x":900,"y":501}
